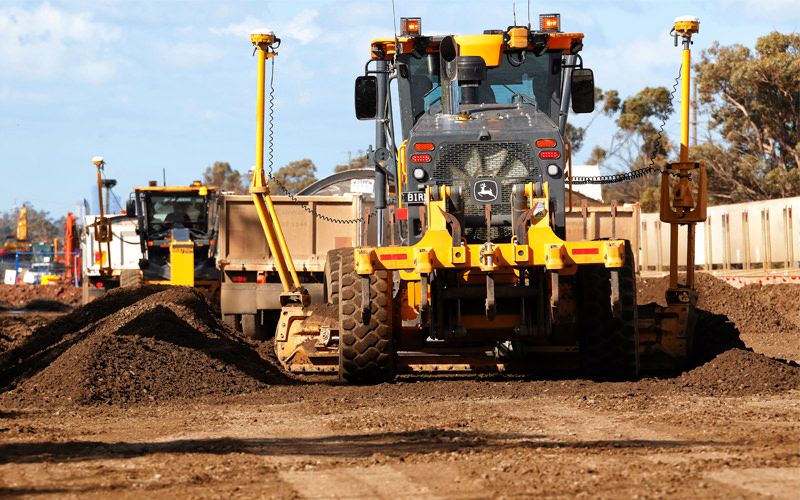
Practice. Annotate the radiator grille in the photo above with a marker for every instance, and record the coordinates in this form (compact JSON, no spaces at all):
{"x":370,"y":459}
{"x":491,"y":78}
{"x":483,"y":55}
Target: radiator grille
{"x":508,"y":163}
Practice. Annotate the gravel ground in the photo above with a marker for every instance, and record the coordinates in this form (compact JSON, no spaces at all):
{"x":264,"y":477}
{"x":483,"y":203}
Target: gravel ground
{"x":144,"y":393}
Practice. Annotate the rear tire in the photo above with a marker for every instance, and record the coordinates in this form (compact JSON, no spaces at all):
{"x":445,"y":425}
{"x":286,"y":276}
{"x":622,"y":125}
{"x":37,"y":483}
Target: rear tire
{"x":609,"y":328}
{"x":332,"y":263}
{"x":232,"y":320}
{"x":130,"y":278}
{"x":255,"y":326}
{"x":366,"y":350}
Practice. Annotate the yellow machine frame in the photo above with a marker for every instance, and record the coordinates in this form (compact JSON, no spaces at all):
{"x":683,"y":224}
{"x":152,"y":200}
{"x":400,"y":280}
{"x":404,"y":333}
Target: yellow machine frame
{"x":304,"y":340}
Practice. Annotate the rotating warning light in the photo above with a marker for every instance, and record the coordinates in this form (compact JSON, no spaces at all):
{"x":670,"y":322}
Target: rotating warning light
{"x":549,"y":22}
{"x":411,"y":26}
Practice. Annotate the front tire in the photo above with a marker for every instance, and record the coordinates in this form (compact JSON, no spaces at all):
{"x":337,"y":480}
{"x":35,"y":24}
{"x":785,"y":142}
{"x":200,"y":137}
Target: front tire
{"x":366,"y":349}
{"x":609,"y":321}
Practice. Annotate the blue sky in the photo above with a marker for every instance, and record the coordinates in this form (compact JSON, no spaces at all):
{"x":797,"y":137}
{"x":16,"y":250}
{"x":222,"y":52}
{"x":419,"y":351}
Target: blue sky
{"x":171,"y":84}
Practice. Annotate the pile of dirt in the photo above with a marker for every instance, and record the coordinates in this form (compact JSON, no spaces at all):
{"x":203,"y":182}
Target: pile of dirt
{"x":15,"y":328}
{"x":145,"y":344}
{"x":20,"y":296}
{"x":739,"y":372}
{"x":766,"y":316}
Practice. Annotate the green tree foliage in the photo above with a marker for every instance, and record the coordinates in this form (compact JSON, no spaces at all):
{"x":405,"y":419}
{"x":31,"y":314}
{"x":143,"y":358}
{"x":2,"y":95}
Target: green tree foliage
{"x":294,"y":176}
{"x":637,"y":142}
{"x":359,"y":161}
{"x":41,"y":226}
{"x":752,"y":101}
{"x":221,"y":174}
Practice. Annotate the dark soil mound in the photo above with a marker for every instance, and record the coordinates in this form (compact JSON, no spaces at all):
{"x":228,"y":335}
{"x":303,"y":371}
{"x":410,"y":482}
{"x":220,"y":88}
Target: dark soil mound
{"x":15,"y":328}
{"x":766,"y":316}
{"x":739,"y":372}
{"x":145,"y":344}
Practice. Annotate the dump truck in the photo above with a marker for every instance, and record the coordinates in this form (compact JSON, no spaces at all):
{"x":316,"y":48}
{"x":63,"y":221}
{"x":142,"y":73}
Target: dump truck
{"x":176,"y":227}
{"x":482,"y":275}
{"x":250,"y":286}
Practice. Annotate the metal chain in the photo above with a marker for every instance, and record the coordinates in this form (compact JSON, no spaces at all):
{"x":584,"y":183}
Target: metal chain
{"x":641,"y":172}
{"x":270,"y":154}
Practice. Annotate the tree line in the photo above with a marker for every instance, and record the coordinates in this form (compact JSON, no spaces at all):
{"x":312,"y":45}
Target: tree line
{"x":751,"y":101}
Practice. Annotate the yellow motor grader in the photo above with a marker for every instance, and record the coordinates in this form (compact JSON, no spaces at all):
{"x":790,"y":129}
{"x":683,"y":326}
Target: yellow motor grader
{"x":472,"y":270}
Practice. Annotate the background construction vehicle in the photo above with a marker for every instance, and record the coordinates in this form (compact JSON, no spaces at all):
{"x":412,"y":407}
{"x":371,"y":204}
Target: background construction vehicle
{"x":250,"y":287}
{"x":484,"y":278}
{"x":177,"y":230}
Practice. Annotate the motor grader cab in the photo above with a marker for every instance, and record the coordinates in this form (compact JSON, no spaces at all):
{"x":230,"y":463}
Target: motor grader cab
{"x":483,"y":277}
{"x":176,"y":228}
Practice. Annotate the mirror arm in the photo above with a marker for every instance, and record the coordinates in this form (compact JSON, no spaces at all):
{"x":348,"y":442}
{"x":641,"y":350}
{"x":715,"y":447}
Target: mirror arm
{"x":368,"y":71}
{"x":579,"y":65}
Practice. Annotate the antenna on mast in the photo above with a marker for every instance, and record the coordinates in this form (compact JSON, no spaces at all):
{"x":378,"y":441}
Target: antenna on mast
{"x":394,"y":20}
{"x":514,"y":11}
{"x":529,"y":14}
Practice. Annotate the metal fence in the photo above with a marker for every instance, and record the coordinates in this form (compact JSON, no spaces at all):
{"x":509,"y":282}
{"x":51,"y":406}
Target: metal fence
{"x":757,"y":236}
{"x":30,"y":267}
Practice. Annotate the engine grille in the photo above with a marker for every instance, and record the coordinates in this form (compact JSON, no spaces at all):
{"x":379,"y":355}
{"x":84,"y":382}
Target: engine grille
{"x":508,"y":163}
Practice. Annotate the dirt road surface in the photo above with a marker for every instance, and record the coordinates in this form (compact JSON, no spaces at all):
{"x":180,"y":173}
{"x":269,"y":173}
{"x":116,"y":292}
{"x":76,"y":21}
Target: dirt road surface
{"x":146,"y":394}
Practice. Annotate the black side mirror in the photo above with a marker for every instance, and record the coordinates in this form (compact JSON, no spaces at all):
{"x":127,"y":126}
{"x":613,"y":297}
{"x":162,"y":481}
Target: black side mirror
{"x":366,"y":97}
{"x":582,"y":90}
{"x":130,"y":207}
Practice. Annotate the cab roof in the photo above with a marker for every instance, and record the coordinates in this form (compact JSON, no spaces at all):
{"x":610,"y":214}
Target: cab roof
{"x":492,"y":42}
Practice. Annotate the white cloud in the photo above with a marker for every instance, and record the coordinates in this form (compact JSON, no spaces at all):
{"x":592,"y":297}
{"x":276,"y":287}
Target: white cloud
{"x":301,"y":27}
{"x":189,"y":55}
{"x":46,"y":42}
{"x":768,"y":10}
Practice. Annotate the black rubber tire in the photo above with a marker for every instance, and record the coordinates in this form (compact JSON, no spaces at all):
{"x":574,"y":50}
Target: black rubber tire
{"x":232,"y":321}
{"x":609,"y":332}
{"x":250,"y":325}
{"x":332,"y":261}
{"x":366,"y":350}
{"x":130,"y":278}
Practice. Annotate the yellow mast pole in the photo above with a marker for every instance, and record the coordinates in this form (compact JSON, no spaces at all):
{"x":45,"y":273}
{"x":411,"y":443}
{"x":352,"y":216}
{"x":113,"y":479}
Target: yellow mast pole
{"x":259,"y":187}
{"x":685,"y":27}
{"x":102,"y":227}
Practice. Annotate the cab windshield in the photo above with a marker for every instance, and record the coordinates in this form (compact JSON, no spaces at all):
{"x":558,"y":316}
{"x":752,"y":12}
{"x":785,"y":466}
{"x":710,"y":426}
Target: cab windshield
{"x":536,"y":78}
{"x":171,"y":210}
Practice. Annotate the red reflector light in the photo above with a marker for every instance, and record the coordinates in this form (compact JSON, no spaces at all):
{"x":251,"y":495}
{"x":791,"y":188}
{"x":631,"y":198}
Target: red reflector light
{"x":239,"y":279}
{"x":585,"y":251}
{"x":424,"y":146}
{"x":549,"y":155}
{"x":394,"y":256}
{"x":99,"y":284}
{"x":402,"y":214}
{"x":421,"y":158}
{"x":545,"y":143}
{"x":261,"y":278}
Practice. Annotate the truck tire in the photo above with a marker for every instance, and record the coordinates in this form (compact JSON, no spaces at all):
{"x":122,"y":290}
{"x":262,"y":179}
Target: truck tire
{"x":332,"y":273}
{"x":366,"y":348}
{"x":233,"y":321}
{"x":130,"y":278}
{"x":251,"y":326}
{"x":609,"y":348}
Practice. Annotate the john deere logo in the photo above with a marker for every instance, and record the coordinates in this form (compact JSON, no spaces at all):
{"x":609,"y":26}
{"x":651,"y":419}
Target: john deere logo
{"x":485,"y":191}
